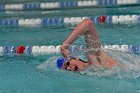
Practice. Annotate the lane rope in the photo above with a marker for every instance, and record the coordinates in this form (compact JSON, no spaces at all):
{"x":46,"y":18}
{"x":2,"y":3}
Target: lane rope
{"x":69,"y":4}
{"x":104,"y":19}
{"x":51,"y":49}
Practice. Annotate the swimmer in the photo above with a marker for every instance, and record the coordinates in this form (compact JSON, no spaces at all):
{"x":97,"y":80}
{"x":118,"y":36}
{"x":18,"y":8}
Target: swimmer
{"x":95,"y":56}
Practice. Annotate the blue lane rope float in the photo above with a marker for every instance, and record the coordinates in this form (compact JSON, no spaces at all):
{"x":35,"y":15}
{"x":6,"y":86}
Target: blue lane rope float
{"x":106,"y":19}
{"x":9,"y":22}
{"x":69,"y":4}
{"x":33,"y":5}
{"x":41,"y":50}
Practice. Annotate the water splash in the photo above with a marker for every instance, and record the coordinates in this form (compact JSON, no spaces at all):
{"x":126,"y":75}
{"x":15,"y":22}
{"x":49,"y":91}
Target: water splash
{"x":48,"y":65}
{"x":129,"y":67}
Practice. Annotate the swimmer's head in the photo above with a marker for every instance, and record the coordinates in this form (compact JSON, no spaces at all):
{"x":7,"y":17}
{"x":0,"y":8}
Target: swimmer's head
{"x":74,"y":64}
{"x":60,"y":62}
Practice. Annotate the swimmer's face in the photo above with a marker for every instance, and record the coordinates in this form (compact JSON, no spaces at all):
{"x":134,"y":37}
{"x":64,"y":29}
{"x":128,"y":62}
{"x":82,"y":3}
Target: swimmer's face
{"x":73,"y":65}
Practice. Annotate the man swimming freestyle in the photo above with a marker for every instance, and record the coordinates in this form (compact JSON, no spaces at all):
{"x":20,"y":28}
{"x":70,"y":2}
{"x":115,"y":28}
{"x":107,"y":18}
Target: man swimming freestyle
{"x":94,"y":54}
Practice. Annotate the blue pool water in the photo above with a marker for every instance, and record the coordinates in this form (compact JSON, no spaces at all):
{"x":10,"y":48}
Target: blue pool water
{"x":38,"y":74}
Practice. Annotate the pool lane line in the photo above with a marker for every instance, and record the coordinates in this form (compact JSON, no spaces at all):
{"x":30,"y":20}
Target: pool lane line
{"x":65,"y":5}
{"x":51,"y":49}
{"x":60,"y":21}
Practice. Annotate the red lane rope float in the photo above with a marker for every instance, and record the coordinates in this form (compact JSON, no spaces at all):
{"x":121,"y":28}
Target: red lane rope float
{"x":20,"y":49}
{"x":102,"y":19}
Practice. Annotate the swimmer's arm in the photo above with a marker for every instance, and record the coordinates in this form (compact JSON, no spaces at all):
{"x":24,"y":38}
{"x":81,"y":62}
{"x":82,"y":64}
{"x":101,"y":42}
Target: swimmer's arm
{"x":79,"y":30}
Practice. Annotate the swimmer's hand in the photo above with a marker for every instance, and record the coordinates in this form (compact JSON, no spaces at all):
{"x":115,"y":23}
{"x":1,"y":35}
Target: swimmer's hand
{"x":65,"y":52}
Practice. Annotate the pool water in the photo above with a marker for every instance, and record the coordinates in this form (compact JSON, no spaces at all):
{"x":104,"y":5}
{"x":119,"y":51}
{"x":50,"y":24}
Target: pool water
{"x":38,"y":74}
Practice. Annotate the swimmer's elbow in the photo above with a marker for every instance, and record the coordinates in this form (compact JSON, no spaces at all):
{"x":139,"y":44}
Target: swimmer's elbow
{"x":87,"y":21}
